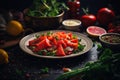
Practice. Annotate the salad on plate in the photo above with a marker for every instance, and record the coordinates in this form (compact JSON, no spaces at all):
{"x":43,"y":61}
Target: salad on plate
{"x":56,"y":44}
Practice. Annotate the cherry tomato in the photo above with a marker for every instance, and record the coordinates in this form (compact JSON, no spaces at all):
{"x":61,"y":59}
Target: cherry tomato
{"x":88,"y":20}
{"x":74,"y":6}
{"x":105,"y":16}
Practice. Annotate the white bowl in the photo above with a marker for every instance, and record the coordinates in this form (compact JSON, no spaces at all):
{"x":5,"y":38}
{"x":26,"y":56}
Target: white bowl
{"x":71,"y":24}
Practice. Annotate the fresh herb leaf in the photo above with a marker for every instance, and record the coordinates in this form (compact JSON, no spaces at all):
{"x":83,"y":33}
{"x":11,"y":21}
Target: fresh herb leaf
{"x":49,"y":33}
{"x":45,"y":70}
{"x":74,"y":36}
{"x":80,"y":48}
{"x":37,"y":36}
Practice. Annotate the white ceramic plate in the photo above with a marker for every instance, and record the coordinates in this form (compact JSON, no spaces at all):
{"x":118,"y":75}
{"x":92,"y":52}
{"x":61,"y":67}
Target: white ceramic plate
{"x":84,"y":40}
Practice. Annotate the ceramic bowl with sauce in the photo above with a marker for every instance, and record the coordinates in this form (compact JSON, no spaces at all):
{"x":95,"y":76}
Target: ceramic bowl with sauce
{"x":71,"y":24}
{"x":110,"y":40}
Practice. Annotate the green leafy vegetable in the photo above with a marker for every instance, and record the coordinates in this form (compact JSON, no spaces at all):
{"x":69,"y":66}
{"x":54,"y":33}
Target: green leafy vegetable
{"x":46,"y":8}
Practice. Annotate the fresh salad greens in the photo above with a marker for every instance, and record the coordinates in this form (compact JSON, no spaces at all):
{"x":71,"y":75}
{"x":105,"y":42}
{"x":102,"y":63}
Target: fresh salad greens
{"x":46,"y":8}
{"x":105,"y":68}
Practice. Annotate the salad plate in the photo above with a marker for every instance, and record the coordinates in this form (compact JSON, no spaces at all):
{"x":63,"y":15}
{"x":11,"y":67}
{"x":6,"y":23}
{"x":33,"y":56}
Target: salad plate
{"x":24,"y":42}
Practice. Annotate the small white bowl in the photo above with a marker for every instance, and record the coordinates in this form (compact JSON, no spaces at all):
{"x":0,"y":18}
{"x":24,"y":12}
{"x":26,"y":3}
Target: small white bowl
{"x":71,"y":24}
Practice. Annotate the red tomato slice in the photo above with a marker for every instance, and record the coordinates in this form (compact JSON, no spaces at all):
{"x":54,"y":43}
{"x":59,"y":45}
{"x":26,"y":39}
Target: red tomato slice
{"x":31,"y":43}
{"x":69,"y":35}
{"x":42,"y":45}
{"x":50,"y":38}
{"x":60,"y":51}
{"x":74,"y":40}
{"x":71,"y":44}
{"x":61,"y":42}
{"x":74,"y":45}
{"x":42,"y":38}
{"x":34,"y":41}
{"x":63,"y":35}
{"x":54,"y":41}
{"x":60,"y":35}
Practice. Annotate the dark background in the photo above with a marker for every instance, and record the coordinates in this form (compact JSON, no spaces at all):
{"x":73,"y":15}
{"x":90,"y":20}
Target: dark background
{"x":93,"y":5}
{"x":24,"y":67}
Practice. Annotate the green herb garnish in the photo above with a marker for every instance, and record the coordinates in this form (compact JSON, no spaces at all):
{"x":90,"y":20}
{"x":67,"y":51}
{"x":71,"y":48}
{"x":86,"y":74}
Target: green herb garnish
{"x":49,"y":33}
{"x":37,"y":36}
{"x":80,"y":48}
{"x":45,"y":70}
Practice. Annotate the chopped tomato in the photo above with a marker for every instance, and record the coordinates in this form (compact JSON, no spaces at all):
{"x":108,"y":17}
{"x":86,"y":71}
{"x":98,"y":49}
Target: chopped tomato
{"x":71,"y":44}
{"x":60,"y":51}
{"x":63,"y":35}
{"x":54,"y":41}
{"x":69,"y":35}
{"x":33,"y":42}
{"x":61,"y":42}
{"x":50,"y":38}
{"x":42,"y":45}
{"x":42,"y":38}
{"x":74,"y":45}
{"x":74,"y":40}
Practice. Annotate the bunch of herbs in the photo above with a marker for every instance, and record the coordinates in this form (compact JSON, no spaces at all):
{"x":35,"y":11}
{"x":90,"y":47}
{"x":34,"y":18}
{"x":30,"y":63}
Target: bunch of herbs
{"x":105,"y":68}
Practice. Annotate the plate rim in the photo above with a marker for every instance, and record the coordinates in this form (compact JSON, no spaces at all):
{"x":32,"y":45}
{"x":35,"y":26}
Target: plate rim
{"x":24,"y":39}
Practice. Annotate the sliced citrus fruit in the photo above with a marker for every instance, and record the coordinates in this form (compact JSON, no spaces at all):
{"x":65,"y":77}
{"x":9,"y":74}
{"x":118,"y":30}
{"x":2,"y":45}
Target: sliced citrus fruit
{"x":95,"y":31}
{"x":3,"y":56}
{"x":14,"y":28}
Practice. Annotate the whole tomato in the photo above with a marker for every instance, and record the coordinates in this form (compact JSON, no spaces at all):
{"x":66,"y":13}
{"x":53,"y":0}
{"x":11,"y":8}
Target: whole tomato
{"x":88,"y":20}
{"x":105,"y":16}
